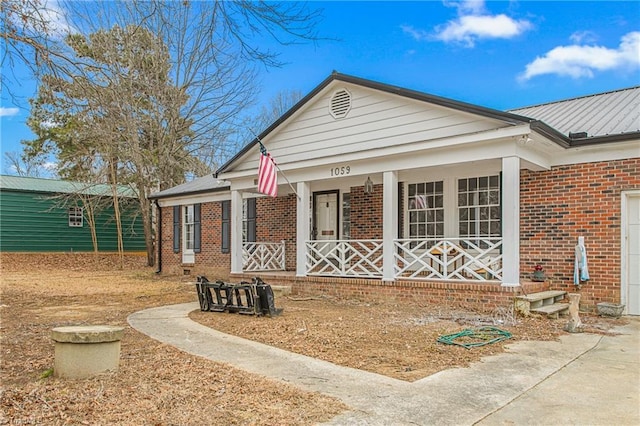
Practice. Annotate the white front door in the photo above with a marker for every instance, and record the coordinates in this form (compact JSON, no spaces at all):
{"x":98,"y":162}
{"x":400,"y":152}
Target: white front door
{"x":325,"y":218}
{"x":631,"y":242}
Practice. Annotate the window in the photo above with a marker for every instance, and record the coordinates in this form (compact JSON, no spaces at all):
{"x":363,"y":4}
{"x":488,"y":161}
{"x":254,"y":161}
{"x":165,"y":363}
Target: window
{"x":479,"y":207}
{"x":75,"y":217}
{"x":426,"y":209}
{"x":346,"y":216}
{"x":189,"y":228}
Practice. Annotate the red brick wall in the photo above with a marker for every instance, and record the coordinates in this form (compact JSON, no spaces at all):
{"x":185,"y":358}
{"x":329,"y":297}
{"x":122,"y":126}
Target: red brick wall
{"x":276,"y":221}
{"x":477,"y":297}
{"x":366,"y":213}
{"x":558,"y":206}
{"x":210,"y":261}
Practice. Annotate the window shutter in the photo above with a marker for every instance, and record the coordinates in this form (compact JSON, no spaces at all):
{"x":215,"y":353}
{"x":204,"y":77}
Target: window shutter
{"x":196,"y":228}
{"x":251,"y":220}
{"x":176,"y":229}
{"x":226,"y":227}
{"x":400,"y":209}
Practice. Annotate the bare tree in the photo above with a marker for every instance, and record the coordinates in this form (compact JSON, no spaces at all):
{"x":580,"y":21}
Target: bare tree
{"x":25,"y":166}
{"x":157,"y":96}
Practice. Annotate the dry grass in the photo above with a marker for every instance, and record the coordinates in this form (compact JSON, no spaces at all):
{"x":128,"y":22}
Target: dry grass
{"x":159,"y":385}
{"x":156,"y":384}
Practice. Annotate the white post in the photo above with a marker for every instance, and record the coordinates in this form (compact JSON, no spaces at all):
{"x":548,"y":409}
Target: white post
{"x":302,"y":228}
{"x":389,"y":224}
{"x":511,"y":221}
{"x":236,"y":232}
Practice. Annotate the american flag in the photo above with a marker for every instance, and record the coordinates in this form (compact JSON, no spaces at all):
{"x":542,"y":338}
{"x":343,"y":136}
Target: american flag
{"x":267,"y":175}
{"x":420,"y":202}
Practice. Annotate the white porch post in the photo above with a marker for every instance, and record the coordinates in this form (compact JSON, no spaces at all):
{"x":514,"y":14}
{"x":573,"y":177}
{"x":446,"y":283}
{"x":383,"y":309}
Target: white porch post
{"x":389,"y":223}
{"x":511,"y":221}
{"x":302,"y":228}
{"x":236,"y":232}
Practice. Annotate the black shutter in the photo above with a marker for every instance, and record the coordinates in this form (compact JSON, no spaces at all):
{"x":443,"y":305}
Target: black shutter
{"x":196,"y":228}
{"x":176,"y":229}
{"x":226,"y":227}
{"x":251,"y":220}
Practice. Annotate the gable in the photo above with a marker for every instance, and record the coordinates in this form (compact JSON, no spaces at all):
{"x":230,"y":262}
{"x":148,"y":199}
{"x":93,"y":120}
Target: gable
{"x":347,"y":118}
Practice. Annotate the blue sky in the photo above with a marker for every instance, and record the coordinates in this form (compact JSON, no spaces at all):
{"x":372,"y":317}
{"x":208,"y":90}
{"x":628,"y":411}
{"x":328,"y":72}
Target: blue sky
{"x":496,"y":54}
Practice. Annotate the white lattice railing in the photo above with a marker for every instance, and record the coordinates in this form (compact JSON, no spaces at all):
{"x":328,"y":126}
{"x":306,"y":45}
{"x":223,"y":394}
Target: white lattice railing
{"x":478,"y":259}
{"x":263,"y":256}
{"x":345,"y":258}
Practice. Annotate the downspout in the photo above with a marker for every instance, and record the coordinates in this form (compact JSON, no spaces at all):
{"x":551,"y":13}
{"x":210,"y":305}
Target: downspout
{"x":159,"y":237}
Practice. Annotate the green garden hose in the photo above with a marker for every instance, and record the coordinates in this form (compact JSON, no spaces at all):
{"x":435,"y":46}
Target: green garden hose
{"x":477,"y":337}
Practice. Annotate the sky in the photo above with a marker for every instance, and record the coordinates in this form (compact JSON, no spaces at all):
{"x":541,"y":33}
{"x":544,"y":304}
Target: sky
{"x":496,"y":54}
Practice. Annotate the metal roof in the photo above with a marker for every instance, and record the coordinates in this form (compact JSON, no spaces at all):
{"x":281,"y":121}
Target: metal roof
{"x":602,"y":114}
{"x":53,"y":186}
{"x":202,"y":184}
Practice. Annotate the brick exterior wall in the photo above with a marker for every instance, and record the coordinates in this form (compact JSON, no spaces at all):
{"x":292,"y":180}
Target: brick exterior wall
{"x":558,"y":206}
{"x":366,"y":213}
{"x":210,"y":261}
{"x":276,"y":221}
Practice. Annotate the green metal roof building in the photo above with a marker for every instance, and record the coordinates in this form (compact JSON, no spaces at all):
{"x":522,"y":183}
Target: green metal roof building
{"x":46,"y":215}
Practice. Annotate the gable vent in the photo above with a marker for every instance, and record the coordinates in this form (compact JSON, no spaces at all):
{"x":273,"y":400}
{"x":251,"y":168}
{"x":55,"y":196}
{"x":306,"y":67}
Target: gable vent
{"x":340,"y":104}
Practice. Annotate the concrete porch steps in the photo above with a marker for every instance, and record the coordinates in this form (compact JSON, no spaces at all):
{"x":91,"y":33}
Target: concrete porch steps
{"x":549,"y":303}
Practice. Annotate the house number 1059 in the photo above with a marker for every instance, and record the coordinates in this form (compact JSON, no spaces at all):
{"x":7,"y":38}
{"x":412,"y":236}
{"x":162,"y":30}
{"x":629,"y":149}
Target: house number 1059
{"x":339,"y":171}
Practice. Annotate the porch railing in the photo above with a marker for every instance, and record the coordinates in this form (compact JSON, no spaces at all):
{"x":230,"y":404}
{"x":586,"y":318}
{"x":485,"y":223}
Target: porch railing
{"x":345,"y":258}
{"x":475,"y":259}
{"x":263,"y":256}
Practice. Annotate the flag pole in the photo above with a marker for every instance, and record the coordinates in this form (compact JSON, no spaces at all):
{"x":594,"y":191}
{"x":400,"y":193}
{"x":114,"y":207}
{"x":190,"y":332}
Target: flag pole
{"x":263,"y":150}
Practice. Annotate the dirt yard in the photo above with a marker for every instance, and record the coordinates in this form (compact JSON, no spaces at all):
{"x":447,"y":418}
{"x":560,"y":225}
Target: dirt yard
{"x":159,"y":385}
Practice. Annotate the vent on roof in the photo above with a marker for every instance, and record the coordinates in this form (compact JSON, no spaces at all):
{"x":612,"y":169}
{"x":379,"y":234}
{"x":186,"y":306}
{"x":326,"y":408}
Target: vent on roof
{"x":340,"y":103}
{"x":578,"y":135}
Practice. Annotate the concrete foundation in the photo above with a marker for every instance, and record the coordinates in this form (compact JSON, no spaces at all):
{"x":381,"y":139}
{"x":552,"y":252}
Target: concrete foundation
{"x":84,"y":351}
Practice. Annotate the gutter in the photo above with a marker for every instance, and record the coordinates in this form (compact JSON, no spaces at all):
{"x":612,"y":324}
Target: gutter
{"x":159,"y":237}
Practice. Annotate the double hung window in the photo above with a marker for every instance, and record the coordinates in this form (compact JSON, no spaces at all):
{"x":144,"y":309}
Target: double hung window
{"x":479,"y":207}
{"x":426,"y":209}
{"x":189,"y":228}
{"x":466,"y":208}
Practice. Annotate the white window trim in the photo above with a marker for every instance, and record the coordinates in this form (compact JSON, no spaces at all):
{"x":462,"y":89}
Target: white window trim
{"x":450,"y":188}
{"x":75,"y":217}
{"x":188,"y":254}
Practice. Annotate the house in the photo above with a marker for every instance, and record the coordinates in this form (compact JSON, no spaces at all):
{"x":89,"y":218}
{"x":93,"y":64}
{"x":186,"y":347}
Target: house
{"x":47,"y":215}
{"x":389,"y":192}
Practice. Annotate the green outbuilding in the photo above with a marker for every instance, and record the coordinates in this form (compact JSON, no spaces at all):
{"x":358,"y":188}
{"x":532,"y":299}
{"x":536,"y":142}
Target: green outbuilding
{"x":47,"y":215}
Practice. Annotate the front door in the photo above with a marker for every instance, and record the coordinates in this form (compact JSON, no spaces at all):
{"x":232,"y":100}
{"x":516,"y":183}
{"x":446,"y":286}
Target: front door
{"x":325,"y":218}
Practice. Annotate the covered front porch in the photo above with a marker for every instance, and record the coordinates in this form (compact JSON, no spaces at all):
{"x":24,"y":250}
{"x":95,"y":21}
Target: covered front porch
{"x":488,"y":252}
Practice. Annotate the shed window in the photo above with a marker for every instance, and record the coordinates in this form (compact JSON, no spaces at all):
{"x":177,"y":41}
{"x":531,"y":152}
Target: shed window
{"x":75,"y":217}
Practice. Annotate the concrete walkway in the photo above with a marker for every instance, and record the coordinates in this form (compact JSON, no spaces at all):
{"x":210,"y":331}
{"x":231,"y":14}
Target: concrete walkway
{"x":584,"y":379}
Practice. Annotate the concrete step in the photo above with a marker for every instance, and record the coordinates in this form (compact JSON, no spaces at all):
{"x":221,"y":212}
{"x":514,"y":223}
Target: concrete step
{"x":552,"y":311}
{"x":525,"y":304}
{"x":550,"y":294}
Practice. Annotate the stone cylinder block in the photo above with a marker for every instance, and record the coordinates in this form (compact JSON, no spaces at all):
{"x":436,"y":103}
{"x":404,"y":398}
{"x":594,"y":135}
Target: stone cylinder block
{"x":85,"y":351}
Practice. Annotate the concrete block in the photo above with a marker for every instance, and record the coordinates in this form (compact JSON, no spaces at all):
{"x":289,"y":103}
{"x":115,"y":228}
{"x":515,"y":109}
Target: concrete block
{"x":85,"y":351}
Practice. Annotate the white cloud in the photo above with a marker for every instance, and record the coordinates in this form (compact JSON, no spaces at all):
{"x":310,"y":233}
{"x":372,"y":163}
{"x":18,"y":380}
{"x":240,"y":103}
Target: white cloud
{"x":473,"y":23}
{"x":465,"y":7}
{"x":9,"y":112}
{"x":415,"y":33}
{"x":583,"y":37}
{"x":468,"y":29}
{"x":578,"y":61}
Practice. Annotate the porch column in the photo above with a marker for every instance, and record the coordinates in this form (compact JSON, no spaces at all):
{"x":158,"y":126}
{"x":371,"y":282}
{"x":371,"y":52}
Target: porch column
{"x":236,"y":232}
{"x":511,"y":221}
{"x":302,"y":228}
{"x":389,"y":224}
